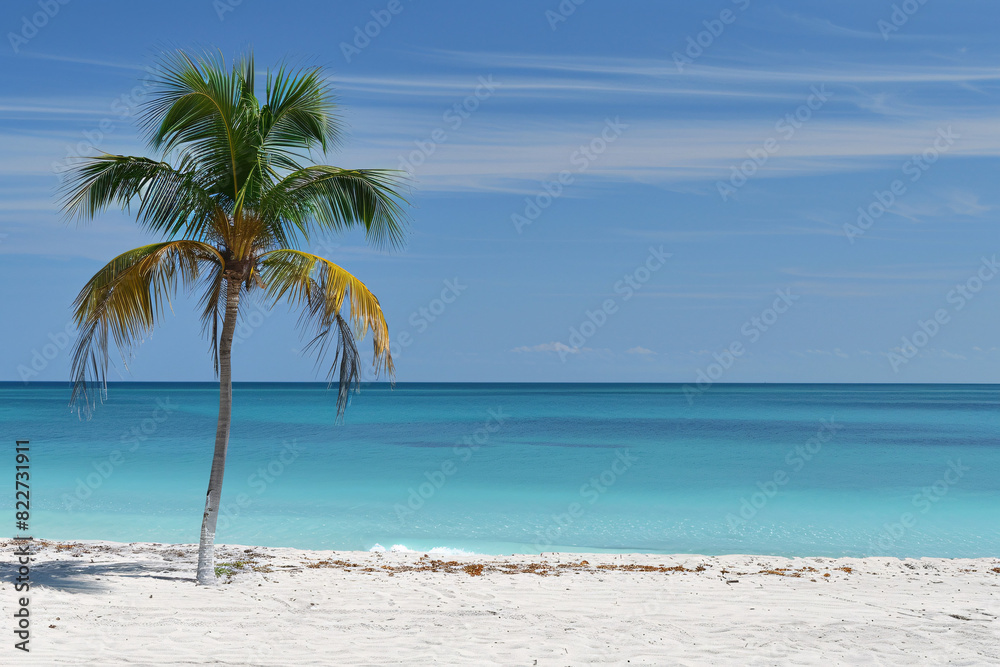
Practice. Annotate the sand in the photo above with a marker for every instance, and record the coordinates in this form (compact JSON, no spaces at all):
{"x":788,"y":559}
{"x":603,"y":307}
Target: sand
{"x":103,"y":603}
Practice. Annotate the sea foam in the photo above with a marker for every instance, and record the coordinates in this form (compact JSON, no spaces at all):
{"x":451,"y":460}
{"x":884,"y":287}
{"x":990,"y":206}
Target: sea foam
{"x":438,"y":551}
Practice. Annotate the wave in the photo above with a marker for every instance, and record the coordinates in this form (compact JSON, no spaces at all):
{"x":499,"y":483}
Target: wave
{"x":438,"y":551}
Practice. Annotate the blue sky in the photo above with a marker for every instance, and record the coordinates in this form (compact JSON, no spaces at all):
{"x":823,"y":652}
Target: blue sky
{"x":713,"y":158}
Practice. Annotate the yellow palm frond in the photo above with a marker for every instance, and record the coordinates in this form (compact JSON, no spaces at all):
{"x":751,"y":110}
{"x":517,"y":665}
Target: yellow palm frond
{"x":124,"y":299}
{"x":322,"y":288}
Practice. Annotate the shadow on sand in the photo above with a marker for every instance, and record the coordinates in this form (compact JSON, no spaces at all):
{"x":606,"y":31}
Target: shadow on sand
{"x":80,"y":576}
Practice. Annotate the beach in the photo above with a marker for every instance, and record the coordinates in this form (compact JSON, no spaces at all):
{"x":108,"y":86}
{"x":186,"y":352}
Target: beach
{"x":97,"y":602}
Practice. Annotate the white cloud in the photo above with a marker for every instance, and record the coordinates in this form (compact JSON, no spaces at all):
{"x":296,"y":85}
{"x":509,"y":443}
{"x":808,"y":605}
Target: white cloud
{"x":555,"y":346}
{"x":638,"y":349}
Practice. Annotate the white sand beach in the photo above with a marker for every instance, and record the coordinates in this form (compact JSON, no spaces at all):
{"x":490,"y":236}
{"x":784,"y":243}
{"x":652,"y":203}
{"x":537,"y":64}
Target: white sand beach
{"x":104,"y":603}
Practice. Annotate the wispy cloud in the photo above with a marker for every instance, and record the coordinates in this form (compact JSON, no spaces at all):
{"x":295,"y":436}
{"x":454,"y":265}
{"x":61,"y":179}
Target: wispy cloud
{"x":513,"y":156}
{"x":824,"y":26}
{"x":897,"y":273}
{"x":835,"y":352}
{"x":965,"y":202}
{"x":79,"y":60}
{"x":505,"y":147}
{"x":837,"y":70}
{"x":555,"y":347}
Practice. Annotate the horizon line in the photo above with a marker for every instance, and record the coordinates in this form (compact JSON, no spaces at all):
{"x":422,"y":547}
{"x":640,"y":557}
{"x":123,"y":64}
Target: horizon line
{"x":511,"y":382}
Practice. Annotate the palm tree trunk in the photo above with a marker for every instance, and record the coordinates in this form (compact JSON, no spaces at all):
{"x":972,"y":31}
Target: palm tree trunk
{"x":206,"y":549}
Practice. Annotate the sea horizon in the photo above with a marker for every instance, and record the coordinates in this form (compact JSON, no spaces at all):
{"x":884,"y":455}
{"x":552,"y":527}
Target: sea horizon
{"x":477,"y":382}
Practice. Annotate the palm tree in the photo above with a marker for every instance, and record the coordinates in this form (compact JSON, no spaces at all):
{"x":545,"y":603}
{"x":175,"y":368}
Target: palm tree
{"x":233,"y":206}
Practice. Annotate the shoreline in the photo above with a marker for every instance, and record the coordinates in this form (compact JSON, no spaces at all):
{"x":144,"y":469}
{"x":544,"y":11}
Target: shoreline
{"x":123,"y":604}
{"x":92,"y":547}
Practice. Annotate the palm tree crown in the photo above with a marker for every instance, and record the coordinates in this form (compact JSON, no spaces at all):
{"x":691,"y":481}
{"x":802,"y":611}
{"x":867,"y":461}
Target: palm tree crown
{"x":233,"y":207}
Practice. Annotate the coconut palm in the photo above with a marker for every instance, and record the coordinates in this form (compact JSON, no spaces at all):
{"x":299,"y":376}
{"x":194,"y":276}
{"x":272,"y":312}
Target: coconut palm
{"x":233,"y":197}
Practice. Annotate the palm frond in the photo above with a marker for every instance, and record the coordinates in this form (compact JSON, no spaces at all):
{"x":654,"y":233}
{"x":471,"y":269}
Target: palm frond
{"x":348,"y":371}
{"x":169,"y":201}
{"x":299,"y":114}
{"x":208,"y":114}
{"x":213,"y":305}
{"x":337,"y":199}
{"x":322,"y":289}
{"x":123,"y":301}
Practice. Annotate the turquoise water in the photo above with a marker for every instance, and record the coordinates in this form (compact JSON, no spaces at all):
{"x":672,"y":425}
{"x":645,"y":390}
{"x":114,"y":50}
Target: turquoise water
{"x":829,"y":470}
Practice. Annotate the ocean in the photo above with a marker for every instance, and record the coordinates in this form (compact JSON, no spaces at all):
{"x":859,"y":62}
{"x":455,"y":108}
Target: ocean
{"x":791,"y":470}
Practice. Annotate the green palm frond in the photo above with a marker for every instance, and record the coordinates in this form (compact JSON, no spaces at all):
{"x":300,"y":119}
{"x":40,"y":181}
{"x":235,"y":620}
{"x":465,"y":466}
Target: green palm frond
{"x":321,"y":289}
{"x":206,"y":112}
{"x":299,"y":114}
{"x":337,"y":199}
{"x":167,"y":201}
{"x":123,"y":301}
